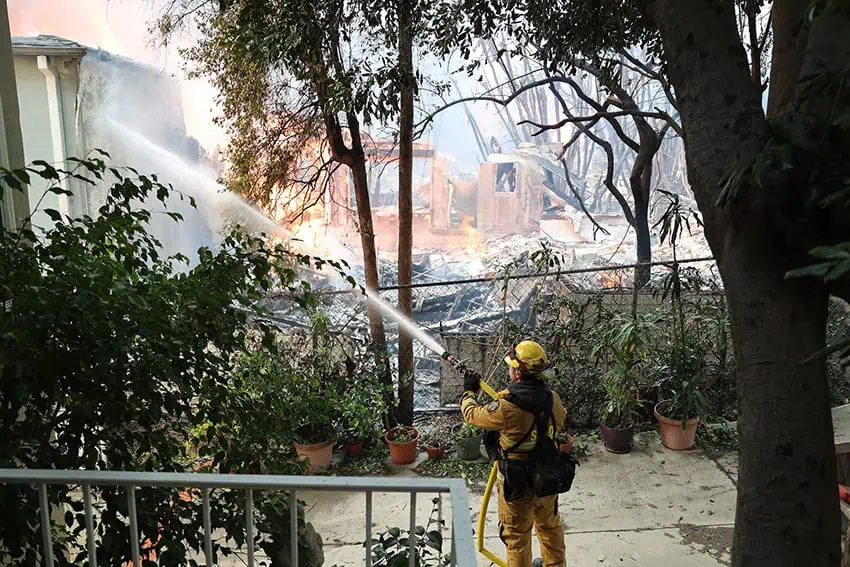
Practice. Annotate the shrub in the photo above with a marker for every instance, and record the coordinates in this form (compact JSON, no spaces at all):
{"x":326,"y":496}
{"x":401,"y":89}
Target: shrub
{"x":568,"y":332}
{"x":110,"y":358}
{"x":362,"y":404}
{"x":623,"y":345}
{"x":392,"y":548}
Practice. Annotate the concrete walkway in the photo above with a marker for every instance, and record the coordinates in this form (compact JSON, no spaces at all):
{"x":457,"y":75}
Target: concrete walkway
{"x":650,"y":507}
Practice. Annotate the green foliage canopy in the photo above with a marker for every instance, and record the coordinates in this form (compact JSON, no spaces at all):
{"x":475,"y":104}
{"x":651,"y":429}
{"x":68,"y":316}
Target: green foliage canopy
{"x":109,"y":356}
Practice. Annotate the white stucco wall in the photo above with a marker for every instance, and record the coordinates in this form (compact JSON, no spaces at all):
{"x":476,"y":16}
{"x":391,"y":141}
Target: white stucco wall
{"x":37,"y":133}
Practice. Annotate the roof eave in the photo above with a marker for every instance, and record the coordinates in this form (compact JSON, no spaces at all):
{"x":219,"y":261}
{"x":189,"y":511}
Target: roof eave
{"x":29,"y":50}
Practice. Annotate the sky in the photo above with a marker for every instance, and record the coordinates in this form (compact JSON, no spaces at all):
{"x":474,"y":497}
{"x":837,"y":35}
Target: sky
{"x":121,"y":27}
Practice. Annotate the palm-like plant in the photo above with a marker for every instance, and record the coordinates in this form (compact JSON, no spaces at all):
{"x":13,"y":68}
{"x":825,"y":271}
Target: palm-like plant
{"x":623,"y":346}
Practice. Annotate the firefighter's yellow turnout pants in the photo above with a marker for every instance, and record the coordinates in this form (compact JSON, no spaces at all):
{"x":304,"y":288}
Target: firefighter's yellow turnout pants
{"x":515,"y":522}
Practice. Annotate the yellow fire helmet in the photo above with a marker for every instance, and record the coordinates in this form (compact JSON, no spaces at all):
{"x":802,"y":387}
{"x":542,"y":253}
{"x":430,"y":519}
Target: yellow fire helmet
{"x":528,"y":356}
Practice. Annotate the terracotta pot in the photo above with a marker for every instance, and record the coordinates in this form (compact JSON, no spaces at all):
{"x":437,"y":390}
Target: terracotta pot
{"x":354,"y":448}
{"x":568,"y":446}
{"x":617,"y":440}
{"x":469,"y":449}
{"x":435,"y":453}
{"x":672,"y":434}
{"x":403,"y":453}
{"x":318,"y":454}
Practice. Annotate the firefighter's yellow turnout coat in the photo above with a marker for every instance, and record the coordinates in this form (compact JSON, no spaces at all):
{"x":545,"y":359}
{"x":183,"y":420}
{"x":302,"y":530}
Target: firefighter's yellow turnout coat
{"x":516,"y":518}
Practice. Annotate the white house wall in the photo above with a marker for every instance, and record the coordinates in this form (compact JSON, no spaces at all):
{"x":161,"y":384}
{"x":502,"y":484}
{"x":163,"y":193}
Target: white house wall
{"x":37,"y":132}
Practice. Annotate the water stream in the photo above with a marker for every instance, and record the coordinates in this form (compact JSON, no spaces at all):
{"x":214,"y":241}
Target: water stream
{"x":211,"y":196}
{"x":135,"y":113}
{"x":405,"y":323}
{"x":214,"y":200}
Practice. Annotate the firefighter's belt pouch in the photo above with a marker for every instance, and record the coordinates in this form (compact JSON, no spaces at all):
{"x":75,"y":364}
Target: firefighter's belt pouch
{"x":553,"y":471}
{"x":517,"y":475}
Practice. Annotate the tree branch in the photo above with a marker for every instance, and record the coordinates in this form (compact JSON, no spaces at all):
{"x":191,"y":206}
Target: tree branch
{"x":788,"y":51}
{"x":614,"y":114}
{"x":652,"y":73}
{"x":671,"y":122}
{"x":755,"y":51}
{"x":609,"y":154}
{"x":618,"y":128}
{"x":580,"y":200}
{"x":500,"y":101}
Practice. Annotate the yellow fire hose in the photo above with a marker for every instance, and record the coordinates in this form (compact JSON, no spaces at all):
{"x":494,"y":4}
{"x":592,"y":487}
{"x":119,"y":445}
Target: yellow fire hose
{"x":485,"y":501}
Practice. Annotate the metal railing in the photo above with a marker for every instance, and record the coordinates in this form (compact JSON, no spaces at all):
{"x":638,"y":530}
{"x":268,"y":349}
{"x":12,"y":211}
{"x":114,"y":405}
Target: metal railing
{"x":462,"y":545}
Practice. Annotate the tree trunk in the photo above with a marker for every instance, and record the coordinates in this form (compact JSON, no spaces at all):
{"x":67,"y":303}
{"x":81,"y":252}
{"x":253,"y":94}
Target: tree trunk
{"x":370,"y":265}
{"x":787,"y":509}
{"x":755,"y":51}
{"x":367,"y":242}
{"x":355,"y":158}
{"x":644,"y":242}
{"x":405,"y":211}
{"x":640,"y":183}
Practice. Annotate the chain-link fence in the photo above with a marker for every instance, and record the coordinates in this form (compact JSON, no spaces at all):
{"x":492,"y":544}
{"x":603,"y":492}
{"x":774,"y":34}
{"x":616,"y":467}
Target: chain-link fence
{"x":479,"y":319}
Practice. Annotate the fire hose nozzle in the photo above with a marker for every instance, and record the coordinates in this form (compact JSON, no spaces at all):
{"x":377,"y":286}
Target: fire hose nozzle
{"x":458,"y":365}
{"x":461,"y":367}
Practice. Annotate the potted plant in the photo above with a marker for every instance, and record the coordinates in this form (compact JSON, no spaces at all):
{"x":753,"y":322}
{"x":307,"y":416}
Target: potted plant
{"x":435,"y":445}
{"x":565,"y":442}
{"x":357,"y":426}
{"x":315,"y":379}
{"x":403,"y":441}
{"x":623,"y":348}
{"x":314,"y":443}
{"x":618,"y":414}
{"x":362,"y":404}
{"x":468,"y":441}
{"x":682,"y":369}
{"x":258,"y":440}
{"x":682,"y":402}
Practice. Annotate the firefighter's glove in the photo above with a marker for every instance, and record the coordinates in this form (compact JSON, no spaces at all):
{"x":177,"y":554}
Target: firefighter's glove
{"x":471,"y":381}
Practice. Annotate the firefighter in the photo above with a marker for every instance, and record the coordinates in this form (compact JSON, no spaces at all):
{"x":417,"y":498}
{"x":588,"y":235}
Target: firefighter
{"x":512,"y":416}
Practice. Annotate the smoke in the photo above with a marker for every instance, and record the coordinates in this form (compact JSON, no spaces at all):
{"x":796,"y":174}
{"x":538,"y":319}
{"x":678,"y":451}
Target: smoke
{"x":131,"y":103}
{"x":121,"y":27}
{"x":134,"y":112}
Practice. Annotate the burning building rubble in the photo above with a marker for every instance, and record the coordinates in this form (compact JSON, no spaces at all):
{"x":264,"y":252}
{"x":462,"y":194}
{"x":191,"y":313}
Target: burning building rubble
{"x":468,"y":225}
{"x":469,"y":233}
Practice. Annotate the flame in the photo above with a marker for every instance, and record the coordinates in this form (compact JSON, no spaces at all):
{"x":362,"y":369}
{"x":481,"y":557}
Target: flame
{"x":310,"y":235}
{"x":474,"y":239}
{"x":609,"y":280}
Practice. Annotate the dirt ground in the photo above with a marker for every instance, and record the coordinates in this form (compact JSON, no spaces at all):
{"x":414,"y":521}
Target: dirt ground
{"x":716,"y":542}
